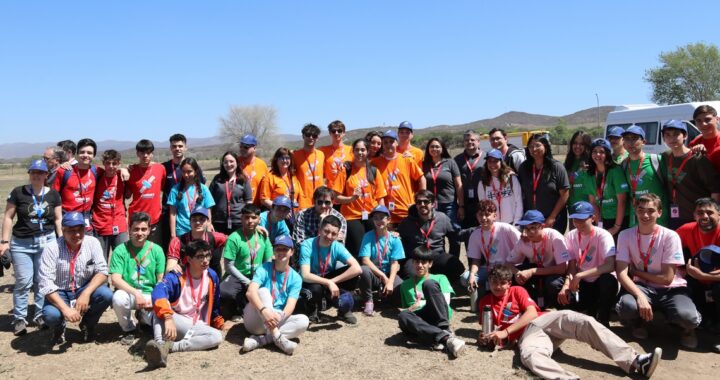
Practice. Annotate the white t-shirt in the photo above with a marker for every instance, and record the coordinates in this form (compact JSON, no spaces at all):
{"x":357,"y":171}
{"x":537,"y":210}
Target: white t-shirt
{"x":552,"y":248}
{"x":510,"y":209}
{"x":598,"y":248}
{"x":667,"y":249}
{"x":503,"y":240}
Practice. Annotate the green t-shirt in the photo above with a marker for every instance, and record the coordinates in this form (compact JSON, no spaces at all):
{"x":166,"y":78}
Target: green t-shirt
{"x":577,"y":184}
{"x":409,"y":287}
{"x":615,"y":183}
{"x":237,"y":248}
{"x":143,"y":276}
{"x":648,"y":181}
{"x":619,"y":159}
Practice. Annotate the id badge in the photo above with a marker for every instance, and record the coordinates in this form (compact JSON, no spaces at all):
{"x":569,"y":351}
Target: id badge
{"x":600,"y":224}
{"x":471,"y":193}
{"x":229,"y":226}
{"x":42,"y":242}
{"x":709,"y":296}
{"x":364,"y":215}
{"x":674,"y":211}
{"x":188,"y":334}
{"x":487,"y":286}
{"x":541,"y":302}
{"x":576,"y":296}
{"x":73,"y":303}
{"x":115,"y":230}
{"x":391,"y":206}
{"x":87,"y":222}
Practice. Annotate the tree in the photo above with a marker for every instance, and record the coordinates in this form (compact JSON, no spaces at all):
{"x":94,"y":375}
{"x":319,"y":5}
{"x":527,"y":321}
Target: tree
{"x":690,"y":73}
{"x":257,"y":120}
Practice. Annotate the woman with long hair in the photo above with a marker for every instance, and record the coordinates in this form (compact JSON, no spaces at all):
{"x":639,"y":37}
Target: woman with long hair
{"x":607,"y":188}
{"x":499,"y":184}
{"x":363,"y":189}
{"x":544,"y":182}
{"x":231,"y":191}
{"x":280,"y":181}
{"x":374,"y":140}
{"x":187,"y":195}
{"x":576,"y":162}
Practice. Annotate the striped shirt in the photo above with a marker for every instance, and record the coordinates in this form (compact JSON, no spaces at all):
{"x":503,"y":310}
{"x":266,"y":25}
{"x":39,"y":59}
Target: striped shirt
{"x":308,"y":225}
{"x":54,"y":273}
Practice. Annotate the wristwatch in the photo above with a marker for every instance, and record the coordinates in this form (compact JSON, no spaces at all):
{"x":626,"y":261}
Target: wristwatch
{"x":4,"y":242}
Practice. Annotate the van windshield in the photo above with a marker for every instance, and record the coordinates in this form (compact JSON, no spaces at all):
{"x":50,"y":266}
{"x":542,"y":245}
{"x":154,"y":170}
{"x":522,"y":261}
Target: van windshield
{"x":651,"y":130}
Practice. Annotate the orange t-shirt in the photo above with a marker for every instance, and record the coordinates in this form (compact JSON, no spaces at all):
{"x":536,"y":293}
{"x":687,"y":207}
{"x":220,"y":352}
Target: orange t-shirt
{"x":255,"y":171}
{"x":401,"y":176}
{"x":371,"y":195}
{"x":334,"y":159}
{"x":273,"y":186}
{"x":309,"y":172}
{"x":417,"y":153}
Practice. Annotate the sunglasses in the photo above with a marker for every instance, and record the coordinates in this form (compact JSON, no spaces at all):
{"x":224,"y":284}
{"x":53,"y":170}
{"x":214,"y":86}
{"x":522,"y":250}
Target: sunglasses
{"x":336,"y":131}
{"x":323,"y":203}
{"x":311,"y":135}
{"x":422,"y":202}
{"x":246,"y":146}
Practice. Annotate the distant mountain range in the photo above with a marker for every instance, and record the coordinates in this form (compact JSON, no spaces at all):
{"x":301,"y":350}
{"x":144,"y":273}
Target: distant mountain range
{"x":512,"y":119}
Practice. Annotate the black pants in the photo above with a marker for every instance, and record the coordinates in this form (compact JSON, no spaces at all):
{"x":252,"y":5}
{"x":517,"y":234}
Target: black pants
{"x":356,"y":229}
{"x":444,"y":263}
{"x":368,"y":282}
{"x":312,"y":294}
{"x":597,"y":298}
{"x":710,"y":311}
{"x":232,"y":296}
{"x":431,"y":323}
{"x":155,"y":235}
{"x":545,"y":287}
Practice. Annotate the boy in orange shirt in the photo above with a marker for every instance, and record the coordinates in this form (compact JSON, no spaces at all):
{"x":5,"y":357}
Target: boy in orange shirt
{"x":309,"y":164}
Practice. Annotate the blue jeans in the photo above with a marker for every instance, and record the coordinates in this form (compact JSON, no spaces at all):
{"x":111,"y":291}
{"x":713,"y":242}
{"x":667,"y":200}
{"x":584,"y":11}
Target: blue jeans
{"x":450,"y":209}
{"x":481,"y":278}
{"x":100,"y":300}
{"x":26,"y":253}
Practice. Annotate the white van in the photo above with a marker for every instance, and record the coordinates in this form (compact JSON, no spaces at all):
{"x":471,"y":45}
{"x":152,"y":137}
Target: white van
{"x":651,"y":116}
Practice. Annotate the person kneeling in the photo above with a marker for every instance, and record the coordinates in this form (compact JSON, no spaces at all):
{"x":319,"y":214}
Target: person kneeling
{"x":515,"y":317}
{"x":425,"y":299}
{"x":272,"y":296}
{"x":188,"y":305}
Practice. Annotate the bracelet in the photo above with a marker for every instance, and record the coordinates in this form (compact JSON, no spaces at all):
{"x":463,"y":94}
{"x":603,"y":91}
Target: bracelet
{"x":4,"y":242}
{"x":617,"y":225}
{"x":262,"y":308}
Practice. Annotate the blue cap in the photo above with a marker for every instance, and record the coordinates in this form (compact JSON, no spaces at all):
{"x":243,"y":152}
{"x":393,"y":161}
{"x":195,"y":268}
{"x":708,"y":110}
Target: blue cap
{"x":581,"y":210}
{"x":600,"y":142}
{"x":635,"y":130}
{"x":200,"y":211}
{"x":530,"y":217}
{"x":248,"y":140}
{"x":391,"y":134}
{"x":282,"y":201}
{"x":382,"y":209}
{"x":38,"y":165}
{"x":406,"y":125}
{"x":73,"y":219}
{"x":615,"y":132}
{"x":284,"y":240}
{"x":675,"y":124}
{"x":709,"y":258}
{"x":496,"y":154}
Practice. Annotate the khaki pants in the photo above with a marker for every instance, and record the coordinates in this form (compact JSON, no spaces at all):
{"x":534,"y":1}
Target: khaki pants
{"x":548,"y":331}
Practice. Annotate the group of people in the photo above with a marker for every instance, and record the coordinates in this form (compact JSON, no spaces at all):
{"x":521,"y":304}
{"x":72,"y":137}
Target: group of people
{"x":347,"y":226}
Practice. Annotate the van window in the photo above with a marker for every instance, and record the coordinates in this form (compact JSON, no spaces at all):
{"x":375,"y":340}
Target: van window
{"x":692,"y":132}
{"x":651,"y":130}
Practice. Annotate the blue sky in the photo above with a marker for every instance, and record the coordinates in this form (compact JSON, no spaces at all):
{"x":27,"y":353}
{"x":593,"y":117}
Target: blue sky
{"x":129,"y":70}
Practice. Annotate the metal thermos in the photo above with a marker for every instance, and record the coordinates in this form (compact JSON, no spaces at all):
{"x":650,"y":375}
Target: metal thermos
{"x":487,"y":322}
{"x":473,"y":300}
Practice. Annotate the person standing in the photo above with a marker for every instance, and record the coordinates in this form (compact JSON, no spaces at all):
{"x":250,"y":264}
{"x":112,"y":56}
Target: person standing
{"x":53,"y":156}
{"x":336,"y":154}
{"x":575,"y":164}
{"x":499,"y":184}
{"x":615,"y":138}
{"x":231,"y":191}
{"x":706,"y":119}
{"x":146,"y":183}
{"x":281,"y":181}
{"x":76,"y":185}
{"x":607,"y":189}
{"x":470,"y":161}
{"x":309,"y":164}
{"x":405,"y":136}
{"x":184,"y":197}
{"x":109,"y":218}
{"x":255,"y":168}
{"x":38,"y":210}
{"x":512,"y":155}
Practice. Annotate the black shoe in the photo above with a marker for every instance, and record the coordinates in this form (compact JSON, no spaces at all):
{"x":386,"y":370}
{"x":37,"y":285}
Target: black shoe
{"x":58,"y":337}
{"x":20,"y":327}
{"x":349,"y":318}
{"x":645,"y":364}
{"x":40,"y":323}
{"x":128,"y":339}
{"x":88,"y":333}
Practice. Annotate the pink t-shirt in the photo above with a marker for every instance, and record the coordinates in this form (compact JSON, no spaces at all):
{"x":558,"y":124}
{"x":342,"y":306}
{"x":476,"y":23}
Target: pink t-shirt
{"x":552,"y":249}
{"x":186,"y":302}
{"x":666,"y":249}
{"x":598,"y":248}
{"x":503,"y":240}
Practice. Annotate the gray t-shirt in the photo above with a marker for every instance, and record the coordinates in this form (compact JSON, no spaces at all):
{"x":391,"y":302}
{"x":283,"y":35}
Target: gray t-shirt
{"x":553,"y":179}
{"x":440,"y":179}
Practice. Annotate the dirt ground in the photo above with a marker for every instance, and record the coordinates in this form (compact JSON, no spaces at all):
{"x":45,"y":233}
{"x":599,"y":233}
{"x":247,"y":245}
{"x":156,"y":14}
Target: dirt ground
{"x":374,"y":348}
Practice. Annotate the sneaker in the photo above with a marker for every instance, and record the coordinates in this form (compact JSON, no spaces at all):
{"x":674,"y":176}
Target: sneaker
{"x":349,"y":318}
{"x":252,"y":342}
{"x":369,"y":308}
{"x":438,"y":347}
{"x":20,"y":327}
{"x":287,"y":346}
{"x":640,"y":332}
{"x":88,"y":333}
{"x":716,"y":348}
{"x":454,"y":345}
{"x":689,"y":339}
{"x":315,"y":317}
{"x":58,"y":335}
{"x":40,"y":323}
{"x":156,"y":353}
{"x":645,"y":364}
{"x":236,"y":318}
{"x":128,"y":339}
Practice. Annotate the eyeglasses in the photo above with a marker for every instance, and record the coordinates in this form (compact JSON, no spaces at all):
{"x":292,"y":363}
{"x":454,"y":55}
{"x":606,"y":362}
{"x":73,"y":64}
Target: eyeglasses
{"x":705,"y":120}
{"x":284,"y":158}
{"x":243,"y":146}
{"x":311,"y":135}
{"x":334,"y":131}
{"x":323,"y":203}
{"x":203,"y":257}
{"x":422,"y":202}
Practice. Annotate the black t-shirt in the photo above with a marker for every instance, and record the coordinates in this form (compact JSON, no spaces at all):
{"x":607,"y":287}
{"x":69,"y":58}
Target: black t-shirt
{"x":445,"y":183}
{"x":28,"y":223}
{"x":412,"y":237}
{"x":240,"y":195}
{"x":470,"y":178}
{"x":698,"y":179}
{"x":553,"y":179}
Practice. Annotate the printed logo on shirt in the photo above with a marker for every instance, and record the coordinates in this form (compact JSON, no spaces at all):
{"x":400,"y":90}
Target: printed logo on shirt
{"x":147,"y":184}
{"x":37,"y":212}
{"x":678,"y":256}
{"x":565,"y":255}
{"x":624,"y":185}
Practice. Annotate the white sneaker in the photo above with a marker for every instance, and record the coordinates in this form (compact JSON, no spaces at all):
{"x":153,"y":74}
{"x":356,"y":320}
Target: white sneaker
{"x":455,"y":345}
{"x":645,"y":364}
{"x":287,"y":346}
{"x":252,"y":342}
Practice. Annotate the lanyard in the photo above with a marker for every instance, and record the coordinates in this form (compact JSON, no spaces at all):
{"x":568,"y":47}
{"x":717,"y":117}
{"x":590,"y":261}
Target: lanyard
{"x":284,"y":285}
{"x":82,"y":188}
{"x":646,"y":256}
{"x":381,"y":255}
{"x":634,"y":179}
{"x":38,"y":206}
{"x":196,"y":299}
{"x":113,"y":185}
{"x":229,"y":187}
{"x":600,"y":191}
{"x":312,"y":167}
{"x":418,"y":294}
{"x":289,"y":188}
{"x":323,"y":269}
{"x":391,"y":176}
{"x":172,"y":166}
{"x":434,"y":177}
{"x":498,"y":195}
{"x":674,"y":176}
{"x":584,"y":252}
{"x":540,"y":259}
{"x":426,"y":234}
{"x":139,"y":266}
{"x":471,"y":167}
{"x":253,"y":252}
{"x":362,"y":182}
{"x":191,"y":205}
{"x":487,"y":247}
{"x":537,"y":173}
{"x":499,"y":314}
{"x":74,"y":258}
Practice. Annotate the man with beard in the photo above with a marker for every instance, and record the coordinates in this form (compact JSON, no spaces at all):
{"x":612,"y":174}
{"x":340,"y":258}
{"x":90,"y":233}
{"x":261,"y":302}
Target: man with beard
{"x":470,"y":162}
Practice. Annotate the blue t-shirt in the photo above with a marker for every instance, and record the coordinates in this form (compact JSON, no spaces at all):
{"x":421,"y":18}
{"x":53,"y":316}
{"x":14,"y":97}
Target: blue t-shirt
{"x":277,"y":229}
{"x":180,"y":201}
{"x":369,"y":248}
{"x":263,"y":277}
{"x":312,"y":254}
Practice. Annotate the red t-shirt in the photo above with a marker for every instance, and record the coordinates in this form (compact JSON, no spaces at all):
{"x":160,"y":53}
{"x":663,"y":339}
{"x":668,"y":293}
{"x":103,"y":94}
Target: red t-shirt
{"x":712,"y":149}
{"x":517,"y":302}
{"x":694,"y":239}
{"x":109,"y":207}
{"x":145,"y":185}
{"x":176,"y":244}
{"x":79,"y":190}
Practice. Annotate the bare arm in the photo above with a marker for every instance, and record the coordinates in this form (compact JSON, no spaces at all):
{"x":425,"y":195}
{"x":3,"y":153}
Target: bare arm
{"x":7,"y":227}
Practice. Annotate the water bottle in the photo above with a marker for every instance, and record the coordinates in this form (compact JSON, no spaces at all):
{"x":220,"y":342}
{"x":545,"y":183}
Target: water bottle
{"x":487,"y":322}
{"x":473,"y":300}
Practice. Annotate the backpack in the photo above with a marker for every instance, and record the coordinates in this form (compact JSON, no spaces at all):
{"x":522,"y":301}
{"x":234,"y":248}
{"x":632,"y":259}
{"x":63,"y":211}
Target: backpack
{"x":508,"y":156}
{"x":654,"y":163}
{"x":68,"y":173}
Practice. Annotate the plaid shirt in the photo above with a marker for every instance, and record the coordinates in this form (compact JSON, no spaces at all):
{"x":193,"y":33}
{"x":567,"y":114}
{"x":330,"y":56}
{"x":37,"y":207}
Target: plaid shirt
{"x":54,"y":273}
{"x":308,"y":224}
